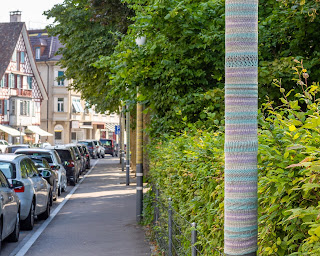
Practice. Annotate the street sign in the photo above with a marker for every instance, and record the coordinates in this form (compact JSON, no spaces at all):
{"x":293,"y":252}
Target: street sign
{"x":117,"y":129}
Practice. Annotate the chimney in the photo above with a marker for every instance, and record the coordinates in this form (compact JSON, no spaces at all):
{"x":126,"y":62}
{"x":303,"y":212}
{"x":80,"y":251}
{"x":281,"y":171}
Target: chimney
{"x":15,"y":16}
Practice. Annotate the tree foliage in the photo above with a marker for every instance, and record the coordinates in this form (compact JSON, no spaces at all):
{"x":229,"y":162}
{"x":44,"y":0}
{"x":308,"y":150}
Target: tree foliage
{"x":85,"y":39}
{"x":188,"y":168}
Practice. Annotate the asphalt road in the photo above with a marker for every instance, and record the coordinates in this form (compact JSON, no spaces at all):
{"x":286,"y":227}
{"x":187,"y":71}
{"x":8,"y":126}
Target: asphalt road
{"x":98,"y":219}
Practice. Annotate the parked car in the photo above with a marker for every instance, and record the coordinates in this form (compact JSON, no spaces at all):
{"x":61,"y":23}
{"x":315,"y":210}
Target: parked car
{"x":54,"y":161}
{"x":71,"y":164}
{"x":87,"y":156}
{"x":3,"y":146}
{"x":83,"y":158}
{"x":84,"y":155}
{"x":9,"y":211}
{"x":13,"y":148}
{"x":100,"y":148}
{"x":78,"y":155}
{"x":91,"y":147}
{"x":30,"y":186}
{"x":41,"y":145}
{"x":108,"y":146}
{"x":42,"y":166}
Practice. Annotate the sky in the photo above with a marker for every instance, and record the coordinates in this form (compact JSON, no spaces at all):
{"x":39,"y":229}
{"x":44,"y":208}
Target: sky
{"x":32,"y":11}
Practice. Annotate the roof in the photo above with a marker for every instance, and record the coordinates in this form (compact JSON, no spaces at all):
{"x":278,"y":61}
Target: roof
{"x":10,"y":33}
{"x":36,"y":150}
{"x":9,"y":157}
{"x":40,"y":37}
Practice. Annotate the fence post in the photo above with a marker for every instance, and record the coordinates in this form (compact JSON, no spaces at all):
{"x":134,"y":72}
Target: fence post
{"x":170,"y":226}
{"x":156,"y":208}
{"x":194,"y":239}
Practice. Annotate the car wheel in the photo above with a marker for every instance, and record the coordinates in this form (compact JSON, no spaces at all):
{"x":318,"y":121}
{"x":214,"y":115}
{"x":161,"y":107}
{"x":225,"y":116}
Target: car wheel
{"x":64,"y":189}
{"x":59,"y":190}
{"x":50,"y":198}
{"x":28,"y":223}
{"x":45,"y":215}
{"x":0,"y":234}
{"x":14,"y":236}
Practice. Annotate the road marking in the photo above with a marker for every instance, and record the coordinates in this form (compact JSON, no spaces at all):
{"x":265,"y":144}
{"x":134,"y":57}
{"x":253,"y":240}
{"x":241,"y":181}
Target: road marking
{"x":36,"y":235}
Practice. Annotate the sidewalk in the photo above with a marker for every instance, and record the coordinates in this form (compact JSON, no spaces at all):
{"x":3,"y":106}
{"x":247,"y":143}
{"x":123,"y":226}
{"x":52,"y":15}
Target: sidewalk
{"x":99,"y":218}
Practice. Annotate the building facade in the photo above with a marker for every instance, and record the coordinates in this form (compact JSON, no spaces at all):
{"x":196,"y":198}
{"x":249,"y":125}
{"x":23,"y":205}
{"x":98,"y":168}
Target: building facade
{"x":21,"y":88}
{"x":65,"y":114}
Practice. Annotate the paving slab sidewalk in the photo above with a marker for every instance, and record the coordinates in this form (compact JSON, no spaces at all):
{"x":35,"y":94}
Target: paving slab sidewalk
{"x":99,"y":219}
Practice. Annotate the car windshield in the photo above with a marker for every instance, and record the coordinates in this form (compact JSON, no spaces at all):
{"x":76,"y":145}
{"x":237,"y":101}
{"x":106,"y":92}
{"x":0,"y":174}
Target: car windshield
{"x":44,"y":155}
{"x":64,"y":154}
{"x":39,"y":162}
{"x":13,"y":149}
{"x":8,"y":169}
{"x":106,"y":142}
{"x":87,"y":143}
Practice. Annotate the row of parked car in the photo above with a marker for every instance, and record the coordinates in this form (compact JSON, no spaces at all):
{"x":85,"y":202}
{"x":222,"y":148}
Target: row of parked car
{"x":32,"y":178}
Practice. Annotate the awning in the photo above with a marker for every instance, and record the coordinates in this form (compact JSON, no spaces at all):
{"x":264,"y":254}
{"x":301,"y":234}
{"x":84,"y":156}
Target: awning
{"x":10,"y":130}
{"x":77,"y":106}
{"x":38,"y":130}
{"x":86,"y":127}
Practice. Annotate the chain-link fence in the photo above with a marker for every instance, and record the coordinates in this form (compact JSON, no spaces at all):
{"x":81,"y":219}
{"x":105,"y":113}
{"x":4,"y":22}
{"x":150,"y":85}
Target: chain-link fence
{"x":175,"y":235}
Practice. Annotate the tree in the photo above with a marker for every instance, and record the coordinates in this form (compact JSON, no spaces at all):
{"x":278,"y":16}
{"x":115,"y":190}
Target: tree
{"x":78,"y":23}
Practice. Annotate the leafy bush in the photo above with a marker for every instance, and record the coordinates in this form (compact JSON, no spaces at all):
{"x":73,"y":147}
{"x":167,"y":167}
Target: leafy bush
{"x":189,"y":168}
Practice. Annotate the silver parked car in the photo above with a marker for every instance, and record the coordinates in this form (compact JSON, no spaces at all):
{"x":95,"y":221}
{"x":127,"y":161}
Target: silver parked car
{"x":9,"y":211}
{"x":54,"y":161}
{"x":32,"y":189}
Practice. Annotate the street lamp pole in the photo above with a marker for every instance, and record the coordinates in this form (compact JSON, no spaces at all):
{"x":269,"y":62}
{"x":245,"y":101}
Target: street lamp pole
{"x":122,"y":124}
{"x":139,"y":155}
{"x":128,"y":146}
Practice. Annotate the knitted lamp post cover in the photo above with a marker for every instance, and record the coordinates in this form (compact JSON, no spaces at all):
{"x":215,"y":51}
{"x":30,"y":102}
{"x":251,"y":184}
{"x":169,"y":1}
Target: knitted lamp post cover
{"x":241,"y":143}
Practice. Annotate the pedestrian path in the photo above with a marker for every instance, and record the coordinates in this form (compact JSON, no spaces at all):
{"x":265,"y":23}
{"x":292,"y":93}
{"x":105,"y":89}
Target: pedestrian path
{"x":99,"y":219}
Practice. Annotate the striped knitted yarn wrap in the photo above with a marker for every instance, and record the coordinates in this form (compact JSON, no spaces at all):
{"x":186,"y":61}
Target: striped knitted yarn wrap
{"x":241,"y":142}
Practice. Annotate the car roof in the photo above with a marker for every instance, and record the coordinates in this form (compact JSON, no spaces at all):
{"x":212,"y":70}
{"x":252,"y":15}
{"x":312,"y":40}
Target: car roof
{"x":35,"y":150}
{"x":18,"y":145}
{"x":58,"y":147}
{"x":10,"y":156}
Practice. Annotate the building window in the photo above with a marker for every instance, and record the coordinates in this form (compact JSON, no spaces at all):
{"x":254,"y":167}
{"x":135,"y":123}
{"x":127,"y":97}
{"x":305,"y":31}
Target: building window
{"x":1,"y":107}
{"x":22,"y":57}
{"x":60,"y":104}
{"x":73,"y":136}
{"x":29,"y":78}
{"x":3,"y":81}
{"x":24,"y":108}
{"x":21,"y":108}
{"x":11,"y":80}
{"x":76,"y":106}
{"x":32,"y":107}
{"x":57,"y":135}
{"x":13,"y":107}
{"x":60,"y":78}
{"x":37,"y":53}
{"x":14,"y":56}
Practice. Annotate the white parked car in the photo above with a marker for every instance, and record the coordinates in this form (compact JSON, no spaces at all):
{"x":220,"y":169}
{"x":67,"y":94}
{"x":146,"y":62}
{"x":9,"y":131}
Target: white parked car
{"x":3,"y":146}
{"x":54,"y":161}
{"x":32,"y":189}
{"x":9,"y":211}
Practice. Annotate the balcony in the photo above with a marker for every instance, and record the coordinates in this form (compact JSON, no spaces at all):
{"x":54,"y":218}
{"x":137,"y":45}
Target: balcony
{"x":16,"y":92}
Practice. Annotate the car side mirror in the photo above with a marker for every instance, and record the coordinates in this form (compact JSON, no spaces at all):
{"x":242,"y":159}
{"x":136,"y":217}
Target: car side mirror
{"x":46,"y":174}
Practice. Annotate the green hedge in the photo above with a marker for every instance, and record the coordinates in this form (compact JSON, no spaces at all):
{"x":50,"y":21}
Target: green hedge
{"x":189,"y":168}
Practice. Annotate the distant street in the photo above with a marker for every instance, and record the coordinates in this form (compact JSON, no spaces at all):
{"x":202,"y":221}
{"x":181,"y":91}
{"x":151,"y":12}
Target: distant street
{"x":98,"y":219}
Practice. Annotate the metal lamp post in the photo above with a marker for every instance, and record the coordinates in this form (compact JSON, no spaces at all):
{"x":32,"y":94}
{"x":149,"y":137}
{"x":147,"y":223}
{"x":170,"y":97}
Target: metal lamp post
{"x":139,"y":155}
{"x":128,"y":146}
